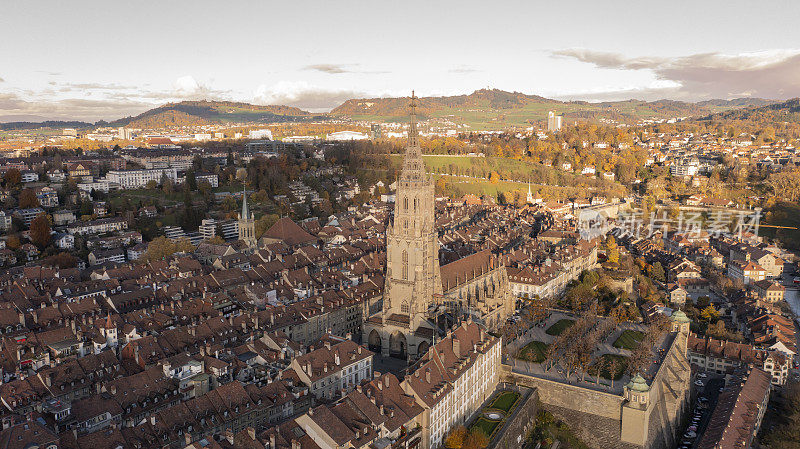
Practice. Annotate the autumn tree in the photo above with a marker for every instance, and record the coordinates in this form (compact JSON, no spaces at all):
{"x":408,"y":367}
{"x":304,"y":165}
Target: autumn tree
{"x":27,"y":199}
{"x":709,"y":313}
{"x":216,"y":240}
{"x":657,"y":272}
{"x":612,"y":250}
{"x":162,"y":247}
{"x":476,"y":439}
{"x":12,"y":242}
{"x":40,"y":231}
{"x":12,"y":178}
{"x":63,"y":260}
{"x":455,"y":439}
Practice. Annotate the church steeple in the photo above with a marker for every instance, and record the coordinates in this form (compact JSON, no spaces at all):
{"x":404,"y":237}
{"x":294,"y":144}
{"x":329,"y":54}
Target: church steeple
{"x":245,"y":211}
{"x":413,"y":168}
{"x":413,"y":134}
{"x":247,"y":222}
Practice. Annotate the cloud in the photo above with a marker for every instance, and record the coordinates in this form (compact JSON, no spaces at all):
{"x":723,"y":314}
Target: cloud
{"x":462,"y":70}
{"x":187,"y":86}
{"x":336,"y":69}
{"x":767,"y":74}
{"x":303,"y":95}
{"x":13,"y":107}
{"x":328,"y":68}
{"x":92,"y":86}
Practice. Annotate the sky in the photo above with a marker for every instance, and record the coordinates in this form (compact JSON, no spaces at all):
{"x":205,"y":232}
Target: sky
{"x":92,"y":60}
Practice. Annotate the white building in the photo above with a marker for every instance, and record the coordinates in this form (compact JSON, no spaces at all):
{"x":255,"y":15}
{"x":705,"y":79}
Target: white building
{"x":260,"y":134}
{"x":686,"y":167}
{"x":553,"y":122}
{"x":98,"y":186}
{"x":346,"y":136}
{"x":5,"y":221}
{"x":134,"y":179}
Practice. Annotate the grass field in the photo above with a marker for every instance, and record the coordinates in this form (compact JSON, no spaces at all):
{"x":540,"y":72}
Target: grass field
{"x":604,"y":361}
{"x":533,"y":352}
{"x":505,"y":401}
{"x":486,"y":426}
{"x":560,"y":326}
{"x":629,"y":340}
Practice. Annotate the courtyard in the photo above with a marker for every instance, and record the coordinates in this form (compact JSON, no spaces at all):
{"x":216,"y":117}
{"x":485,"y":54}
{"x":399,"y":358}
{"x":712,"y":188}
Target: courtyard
{"x":607,"y":367}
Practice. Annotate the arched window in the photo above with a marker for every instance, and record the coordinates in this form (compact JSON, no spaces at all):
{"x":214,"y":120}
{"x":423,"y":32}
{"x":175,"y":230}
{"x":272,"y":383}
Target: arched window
{"x":405,"y":265}
{"x":405,"y":203}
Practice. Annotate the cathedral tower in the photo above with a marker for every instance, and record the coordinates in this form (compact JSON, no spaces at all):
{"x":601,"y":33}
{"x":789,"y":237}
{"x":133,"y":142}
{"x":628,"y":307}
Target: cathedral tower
{"x":412,"y":276}
{"x":247,"y":223}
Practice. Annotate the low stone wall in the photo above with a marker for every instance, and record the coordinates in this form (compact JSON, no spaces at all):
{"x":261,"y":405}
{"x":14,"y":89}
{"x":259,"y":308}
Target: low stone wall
{"x":522,"y":420}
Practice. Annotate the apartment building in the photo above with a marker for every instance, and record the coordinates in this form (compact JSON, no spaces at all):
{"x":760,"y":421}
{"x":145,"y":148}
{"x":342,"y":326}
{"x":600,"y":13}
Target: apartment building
{"x":47,"y":196}
{"x":339,"y":364}
{"x":134,"y":179}
{"x":99,"y":226}
{"x":453,"y":379}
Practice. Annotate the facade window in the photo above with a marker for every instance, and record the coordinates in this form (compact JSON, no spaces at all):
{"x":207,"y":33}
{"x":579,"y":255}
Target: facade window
{"x":405,"y":265}
{"x":405,"y":203}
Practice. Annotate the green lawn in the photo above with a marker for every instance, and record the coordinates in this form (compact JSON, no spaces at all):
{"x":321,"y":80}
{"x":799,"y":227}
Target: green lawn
{"x":605,"y":360}
{"x":560,"y":326}
{"x":533,"y":352}
{"x":629,"y":339}
{"x":505,"y":401}
{"x":486,"y":426}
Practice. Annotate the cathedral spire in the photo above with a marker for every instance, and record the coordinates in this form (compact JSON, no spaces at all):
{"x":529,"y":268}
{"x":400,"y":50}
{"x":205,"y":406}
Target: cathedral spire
{"x":413,"y":135}
{"x":245,"y":210}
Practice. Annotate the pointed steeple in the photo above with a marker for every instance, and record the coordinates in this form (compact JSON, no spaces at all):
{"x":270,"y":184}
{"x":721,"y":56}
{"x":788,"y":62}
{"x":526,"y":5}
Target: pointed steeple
{"x":413,"y":167}
{"x":413,"y":134}
{"x":245,"y":211}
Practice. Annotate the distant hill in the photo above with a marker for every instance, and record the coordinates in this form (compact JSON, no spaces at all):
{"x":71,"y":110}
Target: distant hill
{"x":483,"y":109}
{"x":493,"y":108}
{"x":786,"y":111}
{"x":735,"y":103}
{"x":13,"y":126}
{"x":188,"y":113}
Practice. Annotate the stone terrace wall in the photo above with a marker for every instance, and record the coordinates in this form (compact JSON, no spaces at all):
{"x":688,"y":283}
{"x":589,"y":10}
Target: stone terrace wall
{"x":594,"y":416}
{"x":520,"y":423}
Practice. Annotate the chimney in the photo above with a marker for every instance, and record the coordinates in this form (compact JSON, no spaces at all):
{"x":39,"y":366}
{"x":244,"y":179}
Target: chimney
{"x":113,"y":389}
{"x":428,"y":375}
{"x":152,"y":420}
{"x":252,"y":433}
{"x":272,"y":441}
{"x":229,"y":435}
{"x":456,"y":347}
{"x":295,"y":444}
{"x":187,"y":437}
